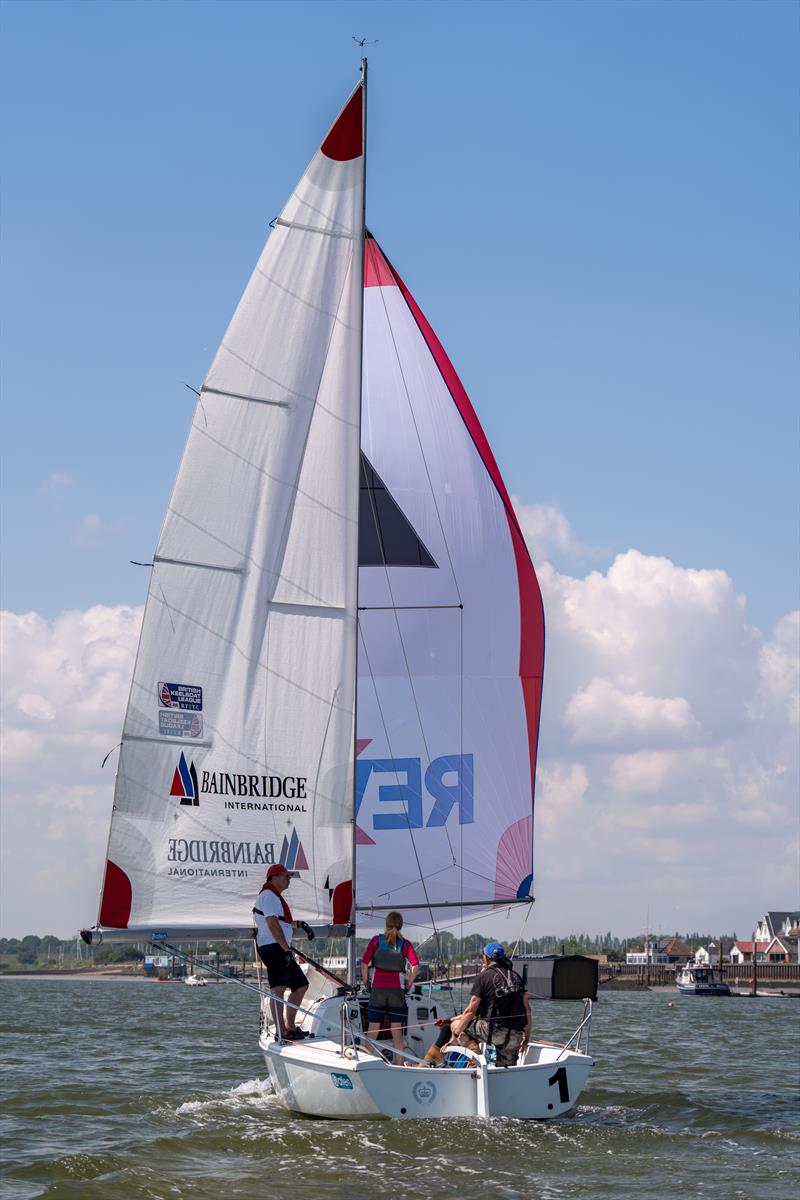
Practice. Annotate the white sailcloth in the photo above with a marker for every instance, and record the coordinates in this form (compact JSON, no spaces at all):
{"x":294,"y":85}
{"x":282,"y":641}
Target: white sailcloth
{"x":451,"y":633}
{"x":237,"y":746}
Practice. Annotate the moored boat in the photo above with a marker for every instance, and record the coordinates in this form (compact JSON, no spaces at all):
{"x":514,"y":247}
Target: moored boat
{"x":700,"y":980}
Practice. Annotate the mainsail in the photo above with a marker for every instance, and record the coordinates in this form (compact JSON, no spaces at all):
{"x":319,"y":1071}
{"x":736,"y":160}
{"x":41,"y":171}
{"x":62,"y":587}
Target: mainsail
{"x":237,"y":746}
{"x":451,"y":633}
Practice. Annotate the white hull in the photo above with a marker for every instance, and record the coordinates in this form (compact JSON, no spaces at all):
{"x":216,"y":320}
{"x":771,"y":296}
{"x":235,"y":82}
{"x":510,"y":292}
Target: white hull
{"x":315,"y":1079}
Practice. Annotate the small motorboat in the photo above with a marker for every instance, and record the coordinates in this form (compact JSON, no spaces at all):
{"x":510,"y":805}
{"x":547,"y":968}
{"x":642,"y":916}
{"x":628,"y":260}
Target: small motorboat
{"x":194,"y":981}
{"x":694,"y":980}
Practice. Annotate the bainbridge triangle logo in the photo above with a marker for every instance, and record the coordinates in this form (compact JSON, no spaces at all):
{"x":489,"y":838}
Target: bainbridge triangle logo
{"x":184,"y":782}
{"x":292,"y":855}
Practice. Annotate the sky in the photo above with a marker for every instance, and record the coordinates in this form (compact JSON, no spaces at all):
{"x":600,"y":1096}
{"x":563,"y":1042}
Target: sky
{"x":596,"y":206}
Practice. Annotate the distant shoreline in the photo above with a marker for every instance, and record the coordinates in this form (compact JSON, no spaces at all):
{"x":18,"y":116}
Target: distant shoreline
{"x":114,"y":976}
{"x":95,"y":975}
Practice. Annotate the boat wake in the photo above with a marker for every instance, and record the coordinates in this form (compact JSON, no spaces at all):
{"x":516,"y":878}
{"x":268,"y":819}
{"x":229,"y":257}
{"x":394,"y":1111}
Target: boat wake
{"x":254,"y":1094}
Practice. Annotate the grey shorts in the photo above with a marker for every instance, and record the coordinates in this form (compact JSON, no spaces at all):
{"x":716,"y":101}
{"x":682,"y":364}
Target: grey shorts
{"x":387,"y":1002}
{"x":507,"y":1042}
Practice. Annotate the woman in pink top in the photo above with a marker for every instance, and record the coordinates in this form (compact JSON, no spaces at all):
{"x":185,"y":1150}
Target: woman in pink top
{"x":389,"y":954}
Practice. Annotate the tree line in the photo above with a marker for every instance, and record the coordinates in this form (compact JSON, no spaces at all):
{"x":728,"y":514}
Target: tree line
{"x":438,"y":949}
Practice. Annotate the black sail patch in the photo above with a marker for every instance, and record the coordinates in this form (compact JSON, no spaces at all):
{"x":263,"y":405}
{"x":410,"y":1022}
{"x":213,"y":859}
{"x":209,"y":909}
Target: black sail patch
{"x":386,"y":537}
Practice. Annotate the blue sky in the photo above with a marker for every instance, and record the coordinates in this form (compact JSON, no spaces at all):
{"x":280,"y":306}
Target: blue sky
{"x":594,"y":203}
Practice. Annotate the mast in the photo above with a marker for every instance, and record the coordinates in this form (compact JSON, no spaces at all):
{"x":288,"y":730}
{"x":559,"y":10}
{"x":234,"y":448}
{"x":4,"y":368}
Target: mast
{"x":351,"y":940}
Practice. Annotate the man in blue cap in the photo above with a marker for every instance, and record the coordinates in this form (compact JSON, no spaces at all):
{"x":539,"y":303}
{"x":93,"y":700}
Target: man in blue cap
{"x":498,"y":1012}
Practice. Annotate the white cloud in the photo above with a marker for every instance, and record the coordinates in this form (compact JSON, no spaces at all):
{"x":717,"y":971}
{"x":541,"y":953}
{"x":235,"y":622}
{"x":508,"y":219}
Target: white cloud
{"x":602,"y":714}
{"x":640,"y":773}
{"x":94,"y":532}
{"x":55,"y":488}
{"x":65,"y":684}
{"x":33,"y":705}
{"x":57,"y":483}
{"x":779,"y":670}
{"x":545,"y":528}
{"x":549,"y":533}
{"x":683,"y":719}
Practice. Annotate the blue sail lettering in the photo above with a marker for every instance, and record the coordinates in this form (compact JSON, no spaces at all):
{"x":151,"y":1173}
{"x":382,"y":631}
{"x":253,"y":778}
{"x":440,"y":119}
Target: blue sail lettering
{"x":448,"y":794}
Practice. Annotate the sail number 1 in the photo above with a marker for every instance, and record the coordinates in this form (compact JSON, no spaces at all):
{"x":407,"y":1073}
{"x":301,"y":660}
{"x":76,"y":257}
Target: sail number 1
{"x":560,"y":1078}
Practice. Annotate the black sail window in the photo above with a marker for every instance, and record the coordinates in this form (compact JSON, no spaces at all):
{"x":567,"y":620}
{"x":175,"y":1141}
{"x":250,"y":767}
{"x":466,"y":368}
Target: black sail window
{"x":385,"y":535}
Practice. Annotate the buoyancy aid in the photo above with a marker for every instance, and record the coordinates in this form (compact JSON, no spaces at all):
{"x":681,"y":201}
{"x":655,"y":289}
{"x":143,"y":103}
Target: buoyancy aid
{"x":286,"y":915}
{"x":506,"y":1005}
{"x":389,"y":956}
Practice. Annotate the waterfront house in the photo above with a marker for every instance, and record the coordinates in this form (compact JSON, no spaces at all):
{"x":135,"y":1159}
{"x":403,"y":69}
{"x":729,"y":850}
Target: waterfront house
{"x":661,"y":950}
{"x":709,"y":956}
{"x":742,"y":952}
{"x":779,"y":950}
{"x":648,"y":952}
{"x":776,"y":924}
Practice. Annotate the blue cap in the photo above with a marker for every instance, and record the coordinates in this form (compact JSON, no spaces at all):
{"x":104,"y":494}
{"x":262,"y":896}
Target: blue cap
{"x":494,"y":950}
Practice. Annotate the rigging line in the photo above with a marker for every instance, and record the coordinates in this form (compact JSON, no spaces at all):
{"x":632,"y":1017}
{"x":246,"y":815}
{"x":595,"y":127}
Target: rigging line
{"x":253,"y":987}
{"x":489,"y":912}
{"x":166,"y":601}
{"x":521,"y":931}
{"x":402,"y":647}
{"x":200,"y":398}
{"x":419,"y":439}
{"x":397,"y":775}
{"x":495,"y":905}
{"x":410,"y":883}
{"x":319,"y":768}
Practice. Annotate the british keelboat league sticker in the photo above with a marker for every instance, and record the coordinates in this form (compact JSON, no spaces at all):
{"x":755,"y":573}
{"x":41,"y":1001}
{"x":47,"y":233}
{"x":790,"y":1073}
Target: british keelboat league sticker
{"x":180,"y":708}
{"x":180,"y":695}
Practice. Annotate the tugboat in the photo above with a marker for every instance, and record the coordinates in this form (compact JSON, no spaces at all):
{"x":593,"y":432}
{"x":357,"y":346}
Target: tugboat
{"x":694,"y":980}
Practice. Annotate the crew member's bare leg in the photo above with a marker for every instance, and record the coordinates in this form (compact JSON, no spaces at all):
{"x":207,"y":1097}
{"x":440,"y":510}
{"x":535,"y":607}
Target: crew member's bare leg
{"x":290,"y":1014}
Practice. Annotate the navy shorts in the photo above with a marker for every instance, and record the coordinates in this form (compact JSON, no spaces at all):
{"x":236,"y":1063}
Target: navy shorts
{"x":280,"y":973}
{"x":387,"y":1002}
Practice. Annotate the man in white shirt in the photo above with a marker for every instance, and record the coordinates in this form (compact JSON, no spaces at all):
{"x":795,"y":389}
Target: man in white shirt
{"x":274,"y":926}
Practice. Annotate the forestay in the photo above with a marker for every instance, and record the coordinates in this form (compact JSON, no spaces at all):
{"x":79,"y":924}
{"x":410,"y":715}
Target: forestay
{"x":451,"y":632}
{"x":237,"y":746}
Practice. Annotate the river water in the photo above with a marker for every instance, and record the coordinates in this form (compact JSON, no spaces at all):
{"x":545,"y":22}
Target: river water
{"x":133,"y":1089}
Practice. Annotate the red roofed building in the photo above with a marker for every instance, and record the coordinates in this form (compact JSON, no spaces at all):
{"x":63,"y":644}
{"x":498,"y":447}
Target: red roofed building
{"x":742,"y":952}
{"x":779,"y":951}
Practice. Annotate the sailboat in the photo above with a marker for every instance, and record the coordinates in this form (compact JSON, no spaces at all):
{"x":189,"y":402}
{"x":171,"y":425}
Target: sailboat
{"x":340,"y":661}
